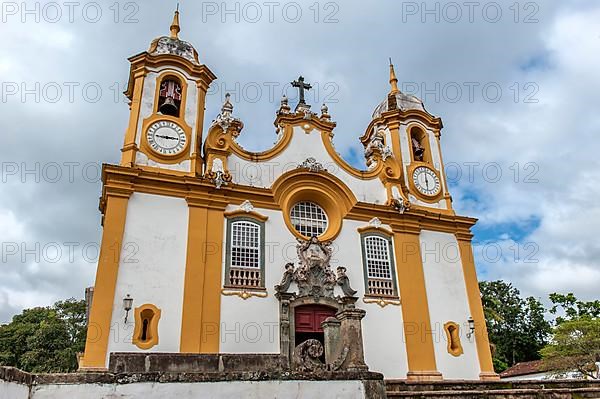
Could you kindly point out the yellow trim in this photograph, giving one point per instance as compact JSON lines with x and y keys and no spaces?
{"x":250,"y":214}
{"x":454,"y":345}
{"x":146,"y":148}
{"x":157,"y":156}
{"x":96,"y":345}
{"x":415,"y":309}
{"x":446,"y":190}
{"x":424,"y":133}
{"x":324,"y":189}
{"x":118,"y":179}
{"x":152,"y":328}
{"x":200,"y":326}
{"x":413,"y":188}
{"x":165,"y":75}
{"x":244,"y":293}
{"x":129,"y":147}
{"x":373,"y":229}
{"x":473,"y":294}
{"x":382,"y":302}
{"x":144,"y":61}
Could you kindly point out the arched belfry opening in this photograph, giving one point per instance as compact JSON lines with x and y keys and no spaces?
{"x":169,"y":97}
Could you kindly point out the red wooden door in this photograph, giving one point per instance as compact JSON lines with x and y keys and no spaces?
{"x":309,"y":318}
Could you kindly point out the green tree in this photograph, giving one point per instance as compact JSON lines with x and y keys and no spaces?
{"x":571,"y":308}
{"x":575,"y":345}
{"x":45,"y":339}
{"x":516,"y":326}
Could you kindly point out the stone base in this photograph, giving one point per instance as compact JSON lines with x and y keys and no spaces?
{"x":489,"y":376}
{"x":16,"y":384}
{"x":418,"y":376}
{"x":547,"y":389}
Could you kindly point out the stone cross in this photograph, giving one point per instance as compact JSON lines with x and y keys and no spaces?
{"x":301,"y":87}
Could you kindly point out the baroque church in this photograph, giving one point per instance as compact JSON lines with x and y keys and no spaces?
{"x":290,"y":253}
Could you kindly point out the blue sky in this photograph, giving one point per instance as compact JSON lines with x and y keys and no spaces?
{"x":518,"y":93}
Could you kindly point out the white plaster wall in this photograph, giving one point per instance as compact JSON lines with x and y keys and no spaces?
{"x":12,"y":390}
{"x":301,"y":147}
{"x":383,"y":331}
{"x":383,"y":334}
{"x":206,"y":390}
{"x":406,"y":148}
{"x":151,"y":269}
{"x":447,"y":300}
{"x":252,"y":325}
{"x":147,"y":109}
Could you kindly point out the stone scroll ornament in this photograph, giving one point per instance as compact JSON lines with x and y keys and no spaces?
{"x":314,"y":276}
{"x":307,"y":354}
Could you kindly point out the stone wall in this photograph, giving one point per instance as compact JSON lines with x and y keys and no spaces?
{"x":15,"y":384}
{"x":557,"y":389}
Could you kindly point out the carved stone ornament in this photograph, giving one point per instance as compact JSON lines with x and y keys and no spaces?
{"x":168,"y":45}
{"x":377,"y":147}
{"x":307,"y":354}
{"x":314,"y":276}
{"x":399,"y":203}
{"x":247,"y":206}
{"x":218,"y":176}
{"x":312,"y":165}
{"x":226,"y":120}
{"x":375,"y":222}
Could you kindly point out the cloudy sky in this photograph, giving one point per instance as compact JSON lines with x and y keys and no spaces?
{"x":516,"y":83}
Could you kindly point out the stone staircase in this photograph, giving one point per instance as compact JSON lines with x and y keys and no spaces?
{"x":557,"y":389}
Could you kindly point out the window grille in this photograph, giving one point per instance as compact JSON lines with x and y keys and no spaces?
{"x":378,"y":264}
{"x":309,"y":219}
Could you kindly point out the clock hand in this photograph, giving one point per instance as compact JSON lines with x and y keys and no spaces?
{"x":165,"y":137}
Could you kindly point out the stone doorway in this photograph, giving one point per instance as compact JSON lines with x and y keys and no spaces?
{"x":307,"y":323}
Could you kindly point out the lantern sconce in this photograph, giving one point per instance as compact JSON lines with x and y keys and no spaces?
{"x":127,"y":303}
{"x":471,"y":327}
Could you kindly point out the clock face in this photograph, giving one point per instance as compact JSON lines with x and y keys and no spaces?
{"x":166,"y":138}
{"x":426,"y":181}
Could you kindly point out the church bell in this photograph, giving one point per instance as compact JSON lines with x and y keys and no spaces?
{"x":169,"y":107}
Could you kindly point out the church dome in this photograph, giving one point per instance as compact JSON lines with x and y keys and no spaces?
{"x":396,"y":99}
{"x":173,"y":45}
{"x":403,"y":102}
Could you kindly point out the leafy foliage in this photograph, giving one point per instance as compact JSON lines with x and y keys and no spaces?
{"x":516,"y":326}
{"x":572,"y":308}
{"x":45,"y":340}
{"x":575,"y":346}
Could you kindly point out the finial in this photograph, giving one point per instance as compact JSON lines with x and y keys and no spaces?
{"x":227,"y":108}
{"x":175,"y":29}
{"x":393,"y":79}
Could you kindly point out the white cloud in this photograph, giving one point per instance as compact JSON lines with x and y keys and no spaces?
{"x":559,"y":134}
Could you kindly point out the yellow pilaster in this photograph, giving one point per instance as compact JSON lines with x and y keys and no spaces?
{"x":415,"y":310}
{"x":474,"y":297}
{"x":200,"y":326}
{"x":96,"y":345}
{"x":129,"y":147}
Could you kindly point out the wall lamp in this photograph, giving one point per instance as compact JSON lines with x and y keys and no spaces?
{"x":471,"y":327}
{"x":127,"y":303}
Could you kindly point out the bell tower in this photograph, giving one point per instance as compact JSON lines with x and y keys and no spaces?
{"x":402,"y":128}
{"x":167,"y":92}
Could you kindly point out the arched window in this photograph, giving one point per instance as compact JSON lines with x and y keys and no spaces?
{"x":169,"y":97}
{"x":419,"y":145}
{"x":379,"y":265}
{"x":309,"y":219}
{"x":245,"y":253}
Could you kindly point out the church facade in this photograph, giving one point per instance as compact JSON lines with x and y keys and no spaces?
{"x":209,"y":248}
